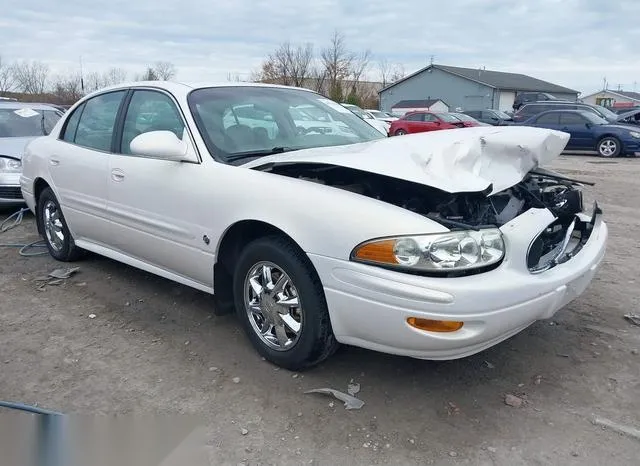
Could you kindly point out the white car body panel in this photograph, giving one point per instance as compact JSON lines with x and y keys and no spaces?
{"x":155,"y":214}
{"x":451,"y":160}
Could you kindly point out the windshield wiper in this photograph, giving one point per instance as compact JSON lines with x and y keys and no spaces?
{"x":259,"y":153}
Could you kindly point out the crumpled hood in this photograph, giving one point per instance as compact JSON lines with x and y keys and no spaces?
{"x":14,"y":147}
{"x":456,"y":160}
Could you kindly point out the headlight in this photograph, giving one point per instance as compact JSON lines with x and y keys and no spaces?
{"x":452,"y":251}
{"x":634,"y":134}
{"x":10,"y":165}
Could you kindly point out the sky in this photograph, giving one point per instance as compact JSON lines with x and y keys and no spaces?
{"x":574,"y":43}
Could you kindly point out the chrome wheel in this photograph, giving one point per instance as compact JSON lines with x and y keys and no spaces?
{"x":608,"y":147}
{"x":273,"y":306}
{"x":53,"y":227}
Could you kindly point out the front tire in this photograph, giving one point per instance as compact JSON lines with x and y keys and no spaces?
{"x":609,"y":147}
{"x":54,"y":228}
{"x":400,"y":132}
{"x":281,"y":304}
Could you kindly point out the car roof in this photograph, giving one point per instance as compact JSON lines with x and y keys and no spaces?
{"x":19,"y":105}
{"x":183,"y":88}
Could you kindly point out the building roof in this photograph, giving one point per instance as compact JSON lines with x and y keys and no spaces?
{"x":426,"y":103}
{"x":495,"y":79}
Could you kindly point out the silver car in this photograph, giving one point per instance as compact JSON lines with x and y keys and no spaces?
{"x":19,"y":124}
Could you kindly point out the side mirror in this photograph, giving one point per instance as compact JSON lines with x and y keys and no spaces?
{"x":160,"y":144}
{"x":588,"y":125}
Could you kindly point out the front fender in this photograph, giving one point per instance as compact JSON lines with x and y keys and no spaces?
{"x":322,"y":220}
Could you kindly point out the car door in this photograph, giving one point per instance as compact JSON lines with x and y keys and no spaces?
{"x":413,"y":122}
{"x":431,"y":122}
{"x":582,"y":137}
{"x":153,"y":203}
{"x":490,"y":118}
{"x":79,"y":166}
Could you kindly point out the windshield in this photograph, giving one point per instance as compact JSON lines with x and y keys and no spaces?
{"x":238,"y":122}
{"x":463,"y":117}
{"x":595,"y":119}
{"x":358,"y":111}
{"x":608,"y":114}
{"x":378,"y":114}
{"x":447,"y":117}
{"x":26,"y":122}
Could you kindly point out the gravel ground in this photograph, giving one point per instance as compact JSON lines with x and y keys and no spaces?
{"x":155,"y":347}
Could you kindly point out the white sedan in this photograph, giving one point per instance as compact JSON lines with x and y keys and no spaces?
{"x":435,"y":245}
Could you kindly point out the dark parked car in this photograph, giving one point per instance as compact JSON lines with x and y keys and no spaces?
{"x":491,"y":117}
{"x":535,"y":108}
{"x":420,"y":122}
{"x":590,"y":132}
{"x":526,"y":97}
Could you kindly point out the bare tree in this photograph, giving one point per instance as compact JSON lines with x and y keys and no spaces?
{"x":337,"y":61}
{"x":114,"y":76}
{"x":164,"y":70}
{"x":385,"y":71}
{"x":397,"y":74}
{"x":6,"y":77}
{"x":233,"y":77}
{"x":318,"y":79}
{"x":67,"y":89}
{"x":31,"y":77}
{"x":93,"y":81}
{"x":288,"y":65}
{"x":148,"y":75}
{"x":359,"y":65}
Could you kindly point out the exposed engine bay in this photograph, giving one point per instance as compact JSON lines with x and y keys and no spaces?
{"x":539,"y":189}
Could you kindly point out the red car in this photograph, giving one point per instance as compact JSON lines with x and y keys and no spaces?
{"x":419,"y":122}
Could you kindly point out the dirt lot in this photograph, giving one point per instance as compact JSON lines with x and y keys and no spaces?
{"x":155,"y":347}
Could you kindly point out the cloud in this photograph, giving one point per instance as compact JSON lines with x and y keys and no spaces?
{"x":575,"y":43}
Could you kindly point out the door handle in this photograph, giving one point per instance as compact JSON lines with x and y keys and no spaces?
{"x":54,"y":161}
{"x":117,"y":174}
{"x":565,"y":129}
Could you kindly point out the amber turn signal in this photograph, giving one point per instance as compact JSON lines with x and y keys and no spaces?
{"x":379,"y":251}
{"x":435,"y":325}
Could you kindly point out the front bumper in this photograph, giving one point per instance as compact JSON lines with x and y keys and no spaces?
{"x":369,"y":306}
{"x":10,"y":194}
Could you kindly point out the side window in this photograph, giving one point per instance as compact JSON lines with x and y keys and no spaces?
{"x":70,"y":129}
{"x":150,"y":111}
{"x":572,"y":119}
{"x":548,"y":119}
{"x":474,"y":114}
{"x":428,"y":117}
{"x":488,"y":115}
{"x":415,"y":117}
{"x":95,"y":129}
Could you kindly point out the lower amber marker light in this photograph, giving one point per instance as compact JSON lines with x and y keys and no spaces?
{"x":429,"y":325}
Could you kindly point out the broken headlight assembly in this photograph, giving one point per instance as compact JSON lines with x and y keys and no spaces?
{"x":8,"y":165}
{"x":454,"y":251}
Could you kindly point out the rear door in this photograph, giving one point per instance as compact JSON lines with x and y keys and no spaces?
{"x":79,"y":166}
{"x":153,"y":203}
{"x":582,"y":137}
{"x":414,"y":122}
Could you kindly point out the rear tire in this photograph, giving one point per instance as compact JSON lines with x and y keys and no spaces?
{"x":264,"y":304}
{"x":609,"y":147}
{"x":55,"y":230}
{"x":400,"y":132}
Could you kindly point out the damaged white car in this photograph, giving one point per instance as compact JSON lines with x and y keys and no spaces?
{"x":433,"y":246}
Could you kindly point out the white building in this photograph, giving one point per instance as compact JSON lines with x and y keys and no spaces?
{"x":615,"y":99}
{"x":432,"y":105}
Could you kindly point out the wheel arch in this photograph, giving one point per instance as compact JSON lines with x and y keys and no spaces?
{"x":610,"y":135}
{"x":229,"y":248}
{"x":39,"y":185}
